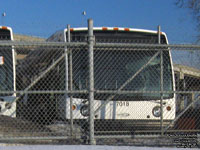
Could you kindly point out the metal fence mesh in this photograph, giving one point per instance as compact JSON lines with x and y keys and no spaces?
{"x":139,"y":89}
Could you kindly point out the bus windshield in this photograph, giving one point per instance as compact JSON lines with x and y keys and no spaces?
{"x":113,"y":68}
{"x":5,"y":35}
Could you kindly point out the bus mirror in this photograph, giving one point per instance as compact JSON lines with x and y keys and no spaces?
{"x":1,"y":60}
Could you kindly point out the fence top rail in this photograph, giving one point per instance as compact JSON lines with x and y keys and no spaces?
{"x":102,"y":45}
{"x":30,"y":43}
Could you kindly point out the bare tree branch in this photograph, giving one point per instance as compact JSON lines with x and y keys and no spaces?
{"x":194,"y":7}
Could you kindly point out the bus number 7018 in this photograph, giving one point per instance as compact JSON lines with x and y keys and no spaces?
{"x":123,"y":103}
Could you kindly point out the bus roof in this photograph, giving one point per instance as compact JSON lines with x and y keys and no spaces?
{"x":121,"y":29}
{"x":115,"y":29}
{"x":6,"y":28}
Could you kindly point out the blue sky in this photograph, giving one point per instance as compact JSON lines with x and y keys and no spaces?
{"x":44,"y":17}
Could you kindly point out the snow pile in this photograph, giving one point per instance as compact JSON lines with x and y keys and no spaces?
{"x":83,"y":147}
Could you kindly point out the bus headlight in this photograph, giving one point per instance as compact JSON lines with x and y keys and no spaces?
{"x":85,"y":110}
{"x":156,"y":111}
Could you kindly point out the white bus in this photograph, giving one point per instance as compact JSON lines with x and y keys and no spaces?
{"x":7,"y":74}
{"x":112,"y":68}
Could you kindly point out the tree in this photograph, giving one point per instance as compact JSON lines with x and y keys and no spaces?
{"x":194,"y":7}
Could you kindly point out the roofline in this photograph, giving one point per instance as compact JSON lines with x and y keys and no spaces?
{"x":112,"y":28}
{"x":118,"y":29}
{"x":8,"y":28}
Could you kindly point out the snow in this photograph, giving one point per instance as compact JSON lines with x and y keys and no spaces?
{"x":82,"y":147}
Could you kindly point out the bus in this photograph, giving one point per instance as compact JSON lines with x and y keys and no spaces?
{"x":112,"y":68}
{"x":7,"y":74}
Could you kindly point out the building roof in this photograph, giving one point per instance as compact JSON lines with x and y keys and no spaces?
{"x":20,"y":37}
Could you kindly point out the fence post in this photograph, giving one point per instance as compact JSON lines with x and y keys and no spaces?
{"x":161,"y":81}
{"x":66,"y":73}
{"x":71,"y":80}
{"x":91,"y":81}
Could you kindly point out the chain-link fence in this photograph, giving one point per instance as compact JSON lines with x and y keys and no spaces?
{"x":94,"y":88}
